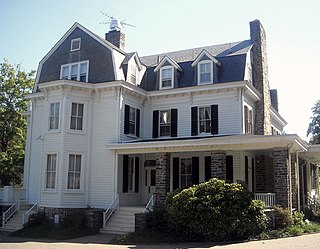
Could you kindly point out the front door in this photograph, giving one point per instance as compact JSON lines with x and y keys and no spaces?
{"x":150,"y":183}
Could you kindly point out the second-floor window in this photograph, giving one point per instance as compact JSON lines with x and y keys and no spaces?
{"x":76,"y":122}
{"x":54,"y":116}
{"x":205,"y":119}
{"x":165,"y":123}
{"x":131,"y":121}
{"x":51,"y":171}
{"x":75,"y":71}
{"x":205,"y":74}
{"x":248,"y":120}
{"x":166,"y":77}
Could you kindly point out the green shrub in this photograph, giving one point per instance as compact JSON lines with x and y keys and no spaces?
{"x":37,"y":219}
{"x":283,"y":217}
{"x":216,"y":211}
{"x":297,"y":218}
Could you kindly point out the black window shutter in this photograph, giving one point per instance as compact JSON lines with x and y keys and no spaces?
{"x":175,"y":178}
{"x":155,"y":124}
{"x":246,"y":168}
{"x":207,"y":168}
{"x":194,"y":121}
{"x":174,"y":122}
{"x":125,"y":174}
{"x":229,"y":168}
{"x":252,"y":174}
{"x":214,"y":119}
{"x":195,"y":170}
{"x":126,"y":119}
{"x":136,"y":175}
{"x":138,"y":123}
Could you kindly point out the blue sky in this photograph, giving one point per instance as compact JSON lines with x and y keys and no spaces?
{"x":29,"y":29}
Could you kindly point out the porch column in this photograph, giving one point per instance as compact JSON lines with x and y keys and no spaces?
{"x":295,"y":181}
{"x":162,"y":178}
{"x":218,"y":164}
{"x":282,"y":177}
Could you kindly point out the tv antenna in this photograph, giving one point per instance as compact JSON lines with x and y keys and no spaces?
{"x":115,"y":24}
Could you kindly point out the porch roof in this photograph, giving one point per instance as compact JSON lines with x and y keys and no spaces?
{"x":230,"y":142}
{"x":313,"y":153}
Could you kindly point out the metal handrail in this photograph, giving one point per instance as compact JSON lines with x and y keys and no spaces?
{"x":10,"y":212}
{"x":150,"y":204}
{"x":110,"y":210}
{"x":28,"y":213}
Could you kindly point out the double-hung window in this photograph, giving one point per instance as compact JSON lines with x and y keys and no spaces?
{"x":166,"y":77}
{"x":75,"y":71}
{"x":247,"y":120}
{"x":54,"y":116}
{"x":205,"y":74}
{"x":165,"y":123}
{"x":205,"y":119}
{"x":51,"y":171}
{"x":133,"y":75}
{"x":186,"y":172}
{"x":131,"y":121}
{"x":74,"y":172}
{"x":76,"y":122}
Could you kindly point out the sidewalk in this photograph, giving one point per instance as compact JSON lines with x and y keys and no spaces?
{"x":310,"y":241}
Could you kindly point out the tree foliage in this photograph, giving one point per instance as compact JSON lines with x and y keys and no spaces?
{"x":14,"y":84}
{"x":314,"y":126}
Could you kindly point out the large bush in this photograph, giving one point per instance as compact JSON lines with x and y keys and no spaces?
{"x":215,"y":211}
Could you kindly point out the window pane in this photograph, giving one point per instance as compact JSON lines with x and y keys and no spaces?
{"x":71,"y":162}
{"x":74,"y":109}
{"x":207,"y":113}
{"x":70,"y":180}
{"x":57,"y":107}
{"x":73,"y":123}
{"x":79,"y":124}
{"x":74,"y":72}
{"x":78,"y":163}
{"x":153,"y":177}
{"x":83,"y":68}
{"x":56,"y":122}
{"x":166,"y":75}
{"x":65,"y":72}
{"x":51,"y":109}
{"x":80,"y":110}
{"x":132,"y":114}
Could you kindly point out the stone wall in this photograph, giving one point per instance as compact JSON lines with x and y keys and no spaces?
{"x":141,"y":221}
{"x":218,"y":164}
{"x":162,"y":178}
{"x":260,"y":78}
{"x":281,"y":177}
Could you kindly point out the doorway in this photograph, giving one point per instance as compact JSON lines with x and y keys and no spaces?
{"x":150,"y":182}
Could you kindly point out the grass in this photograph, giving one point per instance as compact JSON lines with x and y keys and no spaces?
{"x":51,"y":232}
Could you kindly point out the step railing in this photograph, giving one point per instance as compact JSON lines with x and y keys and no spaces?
{"x":110,"y":210}
{"x":31,"y":211}
{"x":10,"y":212}
{"x":268,"y":198}
{"x":150,"y":204}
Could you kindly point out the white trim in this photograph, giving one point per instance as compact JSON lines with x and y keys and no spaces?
{"x":205,"y":52}
{"x":199,"y":73}
{"x":171,"y":61}
{"x":172,"y":77}
{"x":72,"y":43}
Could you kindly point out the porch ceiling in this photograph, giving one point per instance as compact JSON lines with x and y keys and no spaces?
{"x":232,"y":142}
{"x":313,"y":153}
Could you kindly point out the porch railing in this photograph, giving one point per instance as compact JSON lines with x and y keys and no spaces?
{"x":150,"y":204}
{"x":10,"y":212}
{"x":31,"y":211}
{"x":268,"y":198}
{"x":110,"y":210}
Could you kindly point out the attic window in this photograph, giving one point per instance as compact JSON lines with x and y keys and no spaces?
{"x":166,"y":77}
{"x":75,"y":44}
{"x":205,"y":74}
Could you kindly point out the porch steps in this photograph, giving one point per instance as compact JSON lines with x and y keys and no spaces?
{"x":122,"y":221}
{"x":15,"y":223}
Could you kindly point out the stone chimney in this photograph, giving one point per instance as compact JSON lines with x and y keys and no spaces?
{"x":117,"y":38}
{"x":260,"y":78}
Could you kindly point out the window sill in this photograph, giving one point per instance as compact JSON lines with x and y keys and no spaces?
{"x":77,"y":132}
{"x":132,"y":136}
{"x":50,"y":191}
{"x":53,"y":131}
{"x":73,"y":191}
{"x":166,"y":88}
{"x":205,"y":83}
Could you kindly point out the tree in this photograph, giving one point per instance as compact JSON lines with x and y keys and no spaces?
{"x":14,"y":84}
{"x":314,"y":126}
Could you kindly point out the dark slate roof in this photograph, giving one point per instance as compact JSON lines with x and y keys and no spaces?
{"x":231,"y":55}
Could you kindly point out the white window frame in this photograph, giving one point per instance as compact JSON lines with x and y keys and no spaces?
{"x":51,"y":172}
{"x":77,"y":117}
{"x":161,"y":77}
{"x":133,"y":122}
{"x":186,"y":174}
{"x":204,"y":120}
{"x":211,"y":72}
{"x":250,"y":118}
{"x":72,"y":44}
{"x":166,"y":123}
{"x":78,"y":65}
{"x":74,"y":171}
{"x":54,"y":116}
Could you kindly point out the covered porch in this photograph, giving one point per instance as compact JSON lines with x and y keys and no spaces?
{"x":269,"y":165}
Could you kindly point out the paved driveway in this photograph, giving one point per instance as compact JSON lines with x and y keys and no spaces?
{"x":311,"y":241}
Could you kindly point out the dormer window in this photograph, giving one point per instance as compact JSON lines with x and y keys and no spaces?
{"x":75,"y":71}
{"x":133,"y":76}
{"x":205,"y":74}
{"x":166,"y":77}
{"x":75,"y":44}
